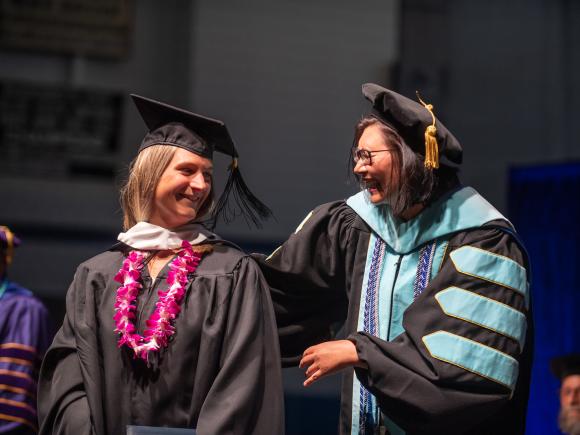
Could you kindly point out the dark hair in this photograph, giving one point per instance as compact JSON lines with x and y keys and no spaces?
{"x":416,"y":184}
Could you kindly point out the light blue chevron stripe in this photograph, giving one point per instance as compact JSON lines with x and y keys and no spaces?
{"x":474,"y":357}
{"x":491,"y":267}
{"x":483,"y":311}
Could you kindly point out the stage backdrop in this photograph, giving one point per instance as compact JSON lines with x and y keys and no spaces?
{"x":544,"y":204}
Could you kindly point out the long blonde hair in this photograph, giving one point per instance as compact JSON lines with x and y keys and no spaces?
{"x":144,"y":174}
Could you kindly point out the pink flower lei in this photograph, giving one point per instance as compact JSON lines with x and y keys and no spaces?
{"x":160,"y":324}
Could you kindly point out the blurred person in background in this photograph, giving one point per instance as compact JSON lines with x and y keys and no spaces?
{"x":25,"y":334}
{"x":567,"y":370}
{"x":172,"y":327}
{"x":431,"y":279}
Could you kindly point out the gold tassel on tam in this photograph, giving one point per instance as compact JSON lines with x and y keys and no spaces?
{"x":431,"y":145}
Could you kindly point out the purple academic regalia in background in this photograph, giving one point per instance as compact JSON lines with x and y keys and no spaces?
{"x":25,"y":334}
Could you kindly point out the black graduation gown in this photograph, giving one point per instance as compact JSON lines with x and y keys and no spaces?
{"x":220,"y":373}
{"x":316,"y":278}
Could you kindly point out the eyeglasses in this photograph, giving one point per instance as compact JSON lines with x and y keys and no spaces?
{"x":366,"y":156}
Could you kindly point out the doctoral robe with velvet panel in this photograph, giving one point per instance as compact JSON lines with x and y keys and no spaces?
{"x":25,"y":334}
{"x":437,"y":365}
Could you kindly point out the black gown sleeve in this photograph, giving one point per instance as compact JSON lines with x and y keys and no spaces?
{"x":421,"y":390}
{"x":307,"y":277}
{"x":62,"y":400}
{"x":246,"y":396}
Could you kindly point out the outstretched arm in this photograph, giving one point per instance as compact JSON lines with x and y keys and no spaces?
{"x":308,"y":277}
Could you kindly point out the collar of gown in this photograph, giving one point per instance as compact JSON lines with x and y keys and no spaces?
{"x":460,"y":210}
{"x":145,"y":236}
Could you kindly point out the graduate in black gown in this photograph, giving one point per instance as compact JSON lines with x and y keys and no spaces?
{"x":172,"y":327}
{"x":429,"y":278}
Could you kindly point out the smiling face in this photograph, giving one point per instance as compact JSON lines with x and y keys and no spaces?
{"x":182,"y":190}
{"x":378,"y":175}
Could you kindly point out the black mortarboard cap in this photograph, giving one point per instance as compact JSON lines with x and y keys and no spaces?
{"x":169,"y":125}
{"x":566,"y":365}
{"x":8,"y":241}
{"x":416,"y":124}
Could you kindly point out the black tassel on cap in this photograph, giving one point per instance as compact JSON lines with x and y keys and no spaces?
{"x":237,"y":199}
{"x":201,"y":135}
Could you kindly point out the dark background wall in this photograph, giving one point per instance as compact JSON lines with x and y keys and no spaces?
{"x":503,"y":76}
{"x":286,"y":78}
{"x":65,"y":219}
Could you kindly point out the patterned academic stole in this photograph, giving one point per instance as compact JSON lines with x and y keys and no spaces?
{"x":368,"y":406}
{"x":424,"y":269}
{"x":369,"y":413}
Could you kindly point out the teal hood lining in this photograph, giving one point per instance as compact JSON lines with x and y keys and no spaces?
{"x":460,"y":210}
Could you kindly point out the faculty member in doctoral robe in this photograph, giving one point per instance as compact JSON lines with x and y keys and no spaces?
{"x":429,"y":278}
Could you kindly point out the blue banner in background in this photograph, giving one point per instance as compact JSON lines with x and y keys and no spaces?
{"x":544,"y":206}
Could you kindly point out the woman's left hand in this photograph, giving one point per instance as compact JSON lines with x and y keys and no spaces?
{"x":327,"y":358}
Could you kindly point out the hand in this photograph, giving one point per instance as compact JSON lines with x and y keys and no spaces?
{"x":327,"y":358}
